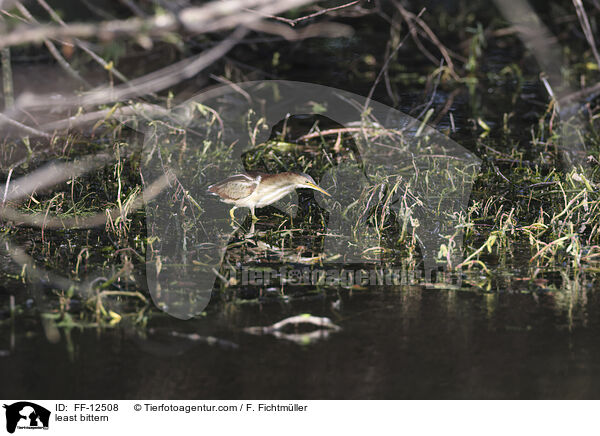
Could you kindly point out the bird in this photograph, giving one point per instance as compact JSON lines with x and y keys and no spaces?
{"x":256,"y":189}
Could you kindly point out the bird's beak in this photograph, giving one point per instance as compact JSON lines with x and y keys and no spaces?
{"x":318,"y":188}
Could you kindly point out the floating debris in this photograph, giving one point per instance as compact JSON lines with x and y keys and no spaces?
{"x":324,"y":327}
{"x":210,"y":340}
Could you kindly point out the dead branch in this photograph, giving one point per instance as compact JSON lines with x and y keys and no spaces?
{"x":121,"y":113}
{"x":52,"y":174}
{"x":587,"y":29}
{"x":384,"y":68}
{"x":588,"y":92}
{"x":153,"y":82}
{"x":7,"y":79}
{"x":317,"y":321}
{"x":22,"y":127}
{"x":323,"y":328}
{"x":293,"y":22}
{"x":212,"y":17}
{"x":53,"y":50}
{"x":82,"y":45}
{"x":133,"y":8}
{"x":330,"y":30}
{"x":411,"y":19}
{"x":42,"y":221}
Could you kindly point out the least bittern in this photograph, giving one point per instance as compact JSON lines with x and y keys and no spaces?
{"x":254,"y":190}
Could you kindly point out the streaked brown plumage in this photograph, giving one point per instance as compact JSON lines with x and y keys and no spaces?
{"x":254,"y":190}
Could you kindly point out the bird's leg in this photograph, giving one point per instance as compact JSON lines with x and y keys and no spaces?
{"x":254,"y":218}
{"x":231,"y":214}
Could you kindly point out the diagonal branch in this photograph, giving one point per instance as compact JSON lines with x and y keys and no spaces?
{"x":53,"y":50}
{"x":82,"y":45}
{"x":153,"y":82}
{"x":211,"y":17}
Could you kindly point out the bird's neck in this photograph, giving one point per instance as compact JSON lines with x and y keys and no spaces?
{"x":278,"y":192}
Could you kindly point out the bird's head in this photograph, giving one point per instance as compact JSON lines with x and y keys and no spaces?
{"x":305,"y":181}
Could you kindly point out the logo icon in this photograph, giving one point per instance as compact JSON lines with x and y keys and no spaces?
{"x":26,"y":415}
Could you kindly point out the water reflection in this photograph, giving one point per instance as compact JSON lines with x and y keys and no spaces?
{"x":393,"y":343}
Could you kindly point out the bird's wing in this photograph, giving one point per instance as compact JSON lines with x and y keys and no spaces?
{"x":235,"y":187}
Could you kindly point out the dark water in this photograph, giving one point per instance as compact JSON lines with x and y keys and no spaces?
{"x":409,"y":343}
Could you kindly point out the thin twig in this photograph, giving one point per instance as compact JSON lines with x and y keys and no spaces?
{"x":82,"y":45}
{"x":53,"y":174}
{"x":433,"y":94}
{"x":446,"y":108}
{"x":153,"y":82}
{"x":384,"y":68}
{"x":335,"y":132}
{"x":120,"y":114}
{"x":23,"y":127}
{"x":38,"y":220}
{"x":53,"y":50}
{"x":587,"y":29}
{"x":590,"y":91}
{"x":6,"y":185}
{"x":329,"y":30}
{"x":7,"y":79}
{"x":317,"y":321}
{"x":211,"y":17}
{"x":411,"y":19}
{"x":293,"y":22}
{"x":134,"y":8}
